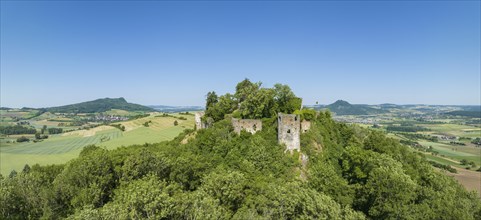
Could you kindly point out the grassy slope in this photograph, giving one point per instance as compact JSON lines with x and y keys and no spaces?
{"x":61,"y":148}
{"x":161,"y":129}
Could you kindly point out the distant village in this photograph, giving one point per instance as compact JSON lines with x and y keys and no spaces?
{"x":109,"y":118}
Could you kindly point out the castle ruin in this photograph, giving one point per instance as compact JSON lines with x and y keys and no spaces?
{"x":305,"y":126}
{"x":198,"y":120}
{"x":250,"y":125}
{"x":288,"y":131}
{"x":289,"y":128}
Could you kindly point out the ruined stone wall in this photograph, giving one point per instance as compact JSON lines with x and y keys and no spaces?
{"x":198,"y":120}
{"x":305,"y":126}
{"x":288,"y":131}
{"x":250,"y":125}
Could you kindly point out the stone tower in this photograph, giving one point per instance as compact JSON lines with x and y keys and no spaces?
{"x":198,"y":120}
{"x":288,"y":131}
{"x":250,"y":125}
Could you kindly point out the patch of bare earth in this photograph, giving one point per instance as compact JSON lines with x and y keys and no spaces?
{"x":471,"y":180}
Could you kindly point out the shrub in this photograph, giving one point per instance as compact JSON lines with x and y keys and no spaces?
{"x":22,"y":139}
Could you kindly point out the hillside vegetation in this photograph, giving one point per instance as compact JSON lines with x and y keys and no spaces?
{"x":215,"y":173}
{"x":99,"y":105}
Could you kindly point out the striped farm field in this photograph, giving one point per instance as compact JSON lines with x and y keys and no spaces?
{"x":59,"y":149}
{"x":159,"y":129}
{"x":456,"y":153}
{"x":454,"y":129}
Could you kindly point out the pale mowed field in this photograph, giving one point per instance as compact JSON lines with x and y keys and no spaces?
{"x":471,"y":180}
{"x":62,"y":148}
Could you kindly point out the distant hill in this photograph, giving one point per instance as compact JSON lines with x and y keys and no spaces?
{"x":165,"y":108}
{"x":471,"y":114}
{"x":99,"y":105}
{"x":471,"y":108}
{"x":388,"y":106}
{"x":341,"y":107}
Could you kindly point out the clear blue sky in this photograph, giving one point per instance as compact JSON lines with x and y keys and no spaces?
{"x":173,"y":53}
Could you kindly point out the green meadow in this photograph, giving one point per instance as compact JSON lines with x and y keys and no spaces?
{"x":441,"y":160}
{"x":454,"y":129}
{"x":456,"y":153}
{"x":60,"y":148}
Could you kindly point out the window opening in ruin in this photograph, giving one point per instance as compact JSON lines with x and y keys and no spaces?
{"x":254,"y":127}
{"x":288,"y":131}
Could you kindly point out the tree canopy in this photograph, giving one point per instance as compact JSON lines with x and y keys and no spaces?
{"x":252,"y":101}
{"x":215,"y":173}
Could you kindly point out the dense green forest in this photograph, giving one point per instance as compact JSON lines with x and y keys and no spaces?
{"x":99,"y":105}
{"x":473,"y":114}
{"x":215,"y":173}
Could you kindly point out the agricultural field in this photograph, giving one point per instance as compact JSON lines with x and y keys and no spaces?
{"x":457,"y":130}
{"x":445,"y":139}
{"x":60,"y":148}
{"x":54,"y":150}
{"x":122,"y":112}
{"x":159,"y":129}
{"x":15,"y":114}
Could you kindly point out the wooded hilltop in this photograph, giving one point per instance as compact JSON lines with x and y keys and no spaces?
{"x":215,"y":173}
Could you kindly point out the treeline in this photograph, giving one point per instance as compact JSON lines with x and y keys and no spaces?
{"x":444,"y":167}
{"x":16,"y":129}
{"x":406,"y":128}
{"x":415,"y":136}
{"x":138,"y":116}
{"x":471,"y":114}
{"x":457,"y":143}
{"x":55,"y":130}
{"x":352,"y":173}
{"x":173,"y":116}
{"x":476,"y":141}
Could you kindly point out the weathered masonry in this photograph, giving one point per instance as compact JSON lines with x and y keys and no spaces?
{"x":288,"y":131}
{"x":250,"y":125}
{"x":198,"y":120}
{"x":305,"y":126}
